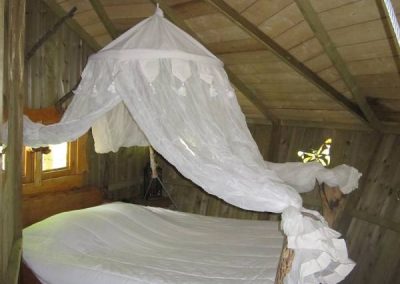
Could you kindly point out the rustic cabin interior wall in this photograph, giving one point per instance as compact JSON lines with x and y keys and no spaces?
{"x":374,"y":233}
{"x":52,"y":71}
{"x":371,"y":218}
{"x":11,"y":87}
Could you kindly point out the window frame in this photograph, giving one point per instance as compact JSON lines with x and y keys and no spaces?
{"x":34,"y":179}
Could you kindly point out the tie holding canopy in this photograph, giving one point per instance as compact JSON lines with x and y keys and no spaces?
{"x":157,"y":85}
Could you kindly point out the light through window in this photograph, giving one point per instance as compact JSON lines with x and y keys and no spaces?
{"x":3,"y":157}
{"x":57,"y":158}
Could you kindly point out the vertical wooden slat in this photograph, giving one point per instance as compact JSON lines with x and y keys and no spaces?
{"x":4,"y":253}
{"x":10,"y":195}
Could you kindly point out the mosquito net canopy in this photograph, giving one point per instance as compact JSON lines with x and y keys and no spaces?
{"x":157,"y":85}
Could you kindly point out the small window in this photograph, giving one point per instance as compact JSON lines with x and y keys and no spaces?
{"x":57,"y":158}
{"x":56,"y":167}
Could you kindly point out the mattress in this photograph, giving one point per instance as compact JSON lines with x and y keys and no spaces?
{"x":125,"y":243}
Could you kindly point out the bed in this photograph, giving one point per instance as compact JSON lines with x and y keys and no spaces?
{"x":127,"y":243}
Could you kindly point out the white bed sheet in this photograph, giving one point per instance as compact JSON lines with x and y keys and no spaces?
{"x":124,"y":243}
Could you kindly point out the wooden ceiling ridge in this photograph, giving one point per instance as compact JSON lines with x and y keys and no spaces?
{"x":324,"y":39}
{"x":286,"y":57}
{"x":249,"y":94}
{"x":73,"y":25}
{"x":104,"y":18}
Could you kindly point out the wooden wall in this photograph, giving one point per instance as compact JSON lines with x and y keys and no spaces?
{"x":374,"y":233}
{"x":371,"y":221}
{"x":50,"y":73}
{"x":11,"y":86}
{"x":348,"y":147}
{"x":56,"y":66}
{"x":120,"y":174}
{"x":191,"y":198}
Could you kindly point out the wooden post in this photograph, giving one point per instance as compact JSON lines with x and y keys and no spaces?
{"x":285,"y":263}
{"x":332,"y":200}
{"x":10,"y":193}
{"x":153,"y":164}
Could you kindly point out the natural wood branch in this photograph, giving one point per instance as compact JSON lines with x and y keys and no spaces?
{"x":286,"y":57}
{"x":285,"y":263}
{"x":66,"y":97}
{"x":73,"y":24}
{"x":101,"y":13}
{"x":323,"y":37}
{"x":153,"y":164}
{"x":249,"y":94}
{"x":49,"y":33}
{"x":333,"y":202}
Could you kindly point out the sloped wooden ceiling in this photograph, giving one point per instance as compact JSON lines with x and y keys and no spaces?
{"x":345,"y":44}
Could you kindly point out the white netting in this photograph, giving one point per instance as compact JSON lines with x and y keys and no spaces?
{"x":157,"y":84}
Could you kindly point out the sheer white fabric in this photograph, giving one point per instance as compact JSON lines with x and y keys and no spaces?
{"x":181,"y":101}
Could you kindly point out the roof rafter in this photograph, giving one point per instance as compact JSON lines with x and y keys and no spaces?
{"x":251,"y":96}
{"x":248,"y":93}
{"x":285,"y":56}
{"x":324,"y":39}
{"x":56,"y":8}
{"x":104,"y":18}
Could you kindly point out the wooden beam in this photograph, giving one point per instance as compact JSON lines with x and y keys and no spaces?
{"x":249,"y":94}
{"x":376,"y":220}
{"x":49,"y":33}
{"x":274,"y":142}
{"x":325,"y":40}
{"x":390,"y":14}
{"x":14,"y":264}
{"x":393,"y":128}
{"x":258,"y":121}
{"x":4,"y":248}
{"x":13,"y":20}
{"x":101,"y":13}
{"x":73,"y":25}
{"x":285,"y":56}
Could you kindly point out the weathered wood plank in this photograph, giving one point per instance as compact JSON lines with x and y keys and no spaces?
{"x":316,"y":25}
{"x":13,"y":88}
{"x":286,"y":56}
{"x":232,"y":77}
{"x":98,"y":7}
{"x":73,"y":24}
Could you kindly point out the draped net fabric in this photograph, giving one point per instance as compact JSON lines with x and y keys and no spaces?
{"x":157,"y":85}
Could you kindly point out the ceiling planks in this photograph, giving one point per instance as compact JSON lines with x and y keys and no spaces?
{"x":356,"y":27}
{"x":101,"y":13}
{"x":316,"y":25}
{"x":250,"y":95}
{"x":73,"y":24}
{"x":285,"y":56}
